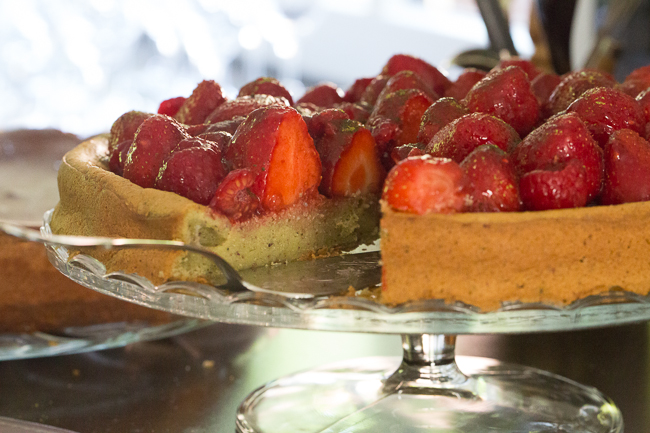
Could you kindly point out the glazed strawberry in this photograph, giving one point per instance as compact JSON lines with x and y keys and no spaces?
{"x":404,"y":151}
{"x":438,"y":115}
{"x":192,"y":172}
{"x":492,"y":182}
{"x":204,"y":99}
{"x":429,"y":73}
{"x":265,"y":86}
{"x":273,"y":142}
{"x":354,"y":92}
{"x":219,"y":140}
{"x":643,"y":99}
{"x":422,"y":185}
{"x":154,"y":141}
{"x":354,"y":111}
{"x":242,"y":106}
{"x":460,"y":137}
{"x":371,"y":93}
{"x":218,"y":144}
{"x":507,"y":95}
{"x":558,"y":186}
{"x":543,"y":86}
{"x":636,"y":82}
{"x":575,"y":84}
{"x":234,"y":196}
{"x":349,"y":159}
{"x":627,"y":168}
{"x":117,"y":156}
{"x":125,"y":127}
{"x":528,"y":67}
{"x":322,"y":95}
{"x":404,"y":80}
{"x":465,"y":81}
{"x":229,"y":126}
{"x":171,"y":106}
{"x":325,"y":122}
{"x":605,"y":110}
{"x":560,"y":139}
{"x":395,"y":120}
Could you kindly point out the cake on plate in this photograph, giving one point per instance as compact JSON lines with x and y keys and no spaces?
{"x":34,"y":296}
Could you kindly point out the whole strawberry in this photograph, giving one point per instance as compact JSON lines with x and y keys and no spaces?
{"x":627,"y":168}
{"x":193,"y":172}
{"x":153,"y":143}
{"x":465,"y":81}
{"x":460,"y":137}
{"x":204,"y":99}
{"x":265,"y":86}
{"x":429,"y":73}
{"x":442,"y":112}
{"x":558,"y":186}
{"x":506,"y":94}
{"x":558,"y":140}
{"x":575,"y":84}
{"x":605,"y":110}
{"x":493,"y":184}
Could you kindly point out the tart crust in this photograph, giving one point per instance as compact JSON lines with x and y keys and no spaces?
{"x":485,"y":259}
{"x":97,"y":202}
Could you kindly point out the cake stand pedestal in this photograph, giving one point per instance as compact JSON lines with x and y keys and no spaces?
{"x":428,"y":391}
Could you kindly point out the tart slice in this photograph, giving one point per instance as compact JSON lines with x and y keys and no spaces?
{"x":97,"y":202}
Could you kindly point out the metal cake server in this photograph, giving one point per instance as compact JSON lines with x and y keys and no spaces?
{"x":301,"y":279}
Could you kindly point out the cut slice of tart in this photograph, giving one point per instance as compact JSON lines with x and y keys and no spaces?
{"x":97,"y":202}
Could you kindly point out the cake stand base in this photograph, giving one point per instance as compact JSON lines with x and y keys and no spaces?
{"x":391,"y":395}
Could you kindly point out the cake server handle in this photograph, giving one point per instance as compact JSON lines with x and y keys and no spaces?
{"x":234,"y":282}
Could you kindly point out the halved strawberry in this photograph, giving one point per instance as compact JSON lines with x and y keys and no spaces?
{"x":234,"y":197}
{"x":350,"y":161}
{"x":273,"y":142}
{"x":424,"y":184}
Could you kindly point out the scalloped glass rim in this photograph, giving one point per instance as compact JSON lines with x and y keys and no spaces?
{"x":349,"y":314}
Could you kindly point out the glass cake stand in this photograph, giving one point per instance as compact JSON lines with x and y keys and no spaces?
{"x":429,"y":389}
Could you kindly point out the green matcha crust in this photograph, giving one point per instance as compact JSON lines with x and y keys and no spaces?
{"x":96,"y":202}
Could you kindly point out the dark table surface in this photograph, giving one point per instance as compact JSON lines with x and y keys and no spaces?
{"x":195,"y":382}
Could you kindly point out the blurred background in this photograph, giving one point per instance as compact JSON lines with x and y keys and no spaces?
{"x":77,"y":65}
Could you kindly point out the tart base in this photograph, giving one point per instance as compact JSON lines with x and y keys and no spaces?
{"x":485,"y":260}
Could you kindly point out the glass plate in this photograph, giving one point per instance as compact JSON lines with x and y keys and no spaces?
{"x":348,"y":313}
{"x":88,"y":338}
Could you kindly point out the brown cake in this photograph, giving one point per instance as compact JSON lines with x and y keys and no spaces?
{"x":97,"y":202}
{"x":34,"y":296}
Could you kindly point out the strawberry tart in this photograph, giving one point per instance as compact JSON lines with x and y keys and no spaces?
{"x":512,"y":185}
